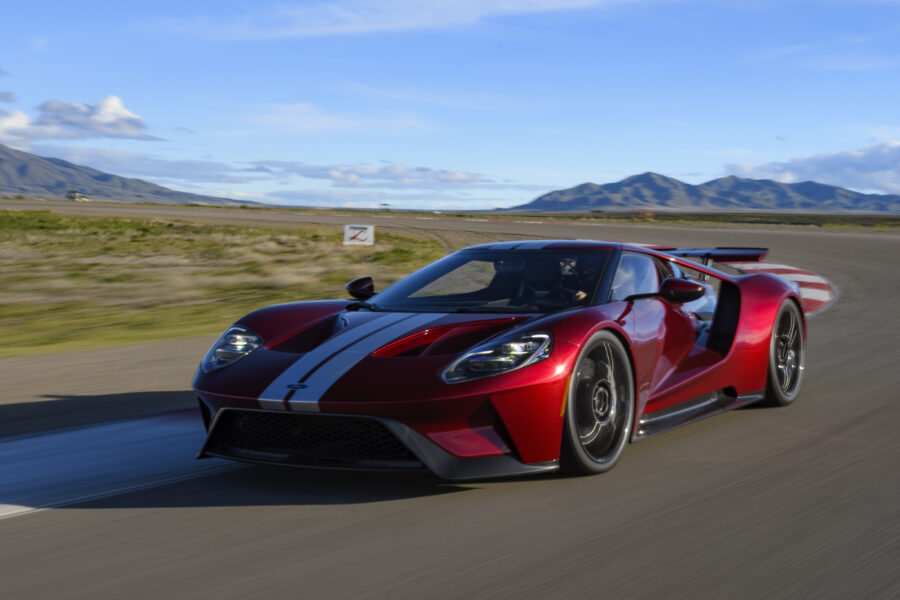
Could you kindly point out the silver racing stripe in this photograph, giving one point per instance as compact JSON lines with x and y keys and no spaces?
{"x":273,"y":396}
{"x":307,"y":398}
{"x":318,"y":370}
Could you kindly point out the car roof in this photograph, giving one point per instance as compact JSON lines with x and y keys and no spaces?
{"x":653,"y":250}
{"x":549,"y":245}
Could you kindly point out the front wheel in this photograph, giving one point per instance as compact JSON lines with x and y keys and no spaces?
{"x":600,"y":407}
{"x":787,"y":356}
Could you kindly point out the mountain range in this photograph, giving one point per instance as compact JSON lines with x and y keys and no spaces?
{"x":652,"y":191}
{"x":24,"y":174}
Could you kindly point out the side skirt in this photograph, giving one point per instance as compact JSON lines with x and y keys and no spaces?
{"x":690,"y":411}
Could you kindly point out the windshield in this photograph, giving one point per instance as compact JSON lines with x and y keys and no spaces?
{"x":499,"y":281}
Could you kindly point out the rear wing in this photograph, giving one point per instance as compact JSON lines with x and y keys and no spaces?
{"x":721,"y":255}
{"x":816,"y":293}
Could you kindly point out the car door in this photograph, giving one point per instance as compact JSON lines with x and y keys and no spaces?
{"x":663,"y":333}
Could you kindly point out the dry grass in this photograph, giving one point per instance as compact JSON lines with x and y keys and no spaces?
{"x":76,"y":282}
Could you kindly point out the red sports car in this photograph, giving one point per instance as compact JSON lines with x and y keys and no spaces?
{"x":504,"y":359}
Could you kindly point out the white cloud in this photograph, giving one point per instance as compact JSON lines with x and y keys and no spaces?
{"x":451,"y":100}
{"x":309,"y":118}
{"x":305,"y":118}
{"x":12,"y":122}
{"x":350,"y":17}
{"x":871,"y":169}
{"x":59,"y":120}
{"x":786,"y":51}
{"x":39,"y":42}
{"x":358,"y":183}
{"x":130,"y":164}
{"x":377,"y":199}
{"x":845,"y":62}
{"x":386,"y":176}
{"x":844,"y":53}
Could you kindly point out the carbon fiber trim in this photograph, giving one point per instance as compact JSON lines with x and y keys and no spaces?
{"x":403,"y":449}
{"x":690,"y":411}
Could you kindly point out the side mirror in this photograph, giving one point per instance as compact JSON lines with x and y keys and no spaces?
{"x":679,"y":291}
{"x":362,"y":288}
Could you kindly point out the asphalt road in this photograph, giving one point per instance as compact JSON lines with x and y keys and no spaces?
{"x":797,"y":502}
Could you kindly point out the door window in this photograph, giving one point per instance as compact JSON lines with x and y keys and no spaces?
{"x":636,"y":274}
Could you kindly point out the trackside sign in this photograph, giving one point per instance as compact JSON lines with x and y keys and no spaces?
{"x":359,"y":235}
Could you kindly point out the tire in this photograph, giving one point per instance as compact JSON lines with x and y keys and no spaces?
{"x":787,"y":356}
{"x":600,"y":407}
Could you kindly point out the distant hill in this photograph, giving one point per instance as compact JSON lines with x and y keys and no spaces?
{"x":24,"y":174}
{"x":652,"y":191}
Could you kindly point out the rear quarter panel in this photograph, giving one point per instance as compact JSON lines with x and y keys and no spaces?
{"x":746,"y":366}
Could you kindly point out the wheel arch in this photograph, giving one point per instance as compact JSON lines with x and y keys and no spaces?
{"x":619,"y":333}
{"x":745,"y":366}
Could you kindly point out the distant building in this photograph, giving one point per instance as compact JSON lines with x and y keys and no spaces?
{"x":76,"y":196}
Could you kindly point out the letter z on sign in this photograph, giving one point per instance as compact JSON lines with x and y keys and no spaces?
{"x":359,"y":235}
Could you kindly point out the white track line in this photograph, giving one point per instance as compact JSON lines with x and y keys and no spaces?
{"x":76,"y":465}
{"x":760,"y":266}
{"x":816,"y":300}
{"x":814,"y":294}
{"x":803,"y":278}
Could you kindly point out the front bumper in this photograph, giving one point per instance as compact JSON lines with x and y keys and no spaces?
{"x":340,"y":441}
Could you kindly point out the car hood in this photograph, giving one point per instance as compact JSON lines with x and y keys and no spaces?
{"x":304,"y":363}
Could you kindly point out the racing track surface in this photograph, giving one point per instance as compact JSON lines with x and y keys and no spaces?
{"x":800,"y":502}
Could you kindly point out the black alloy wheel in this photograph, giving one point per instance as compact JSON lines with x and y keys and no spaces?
{"x":787,"y":356}
{"x":600,"y":406}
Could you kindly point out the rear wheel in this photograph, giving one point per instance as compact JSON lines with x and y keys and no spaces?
{"x":787,"y":356}
{"x":600,"y":407}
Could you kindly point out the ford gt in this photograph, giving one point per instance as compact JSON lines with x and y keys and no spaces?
{"x":504,"y":359}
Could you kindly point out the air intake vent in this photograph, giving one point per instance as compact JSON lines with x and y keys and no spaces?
{"x":308,"y":439}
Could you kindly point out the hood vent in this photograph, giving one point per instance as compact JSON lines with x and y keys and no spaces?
{"x":310,"y":336}
{"x":446,"y":339}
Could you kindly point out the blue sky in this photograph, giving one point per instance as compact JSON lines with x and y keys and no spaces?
{"x":459,"y":104}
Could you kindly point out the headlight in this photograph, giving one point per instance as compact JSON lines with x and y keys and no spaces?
{"x":236,"y":342}
{"x":500,"y":356}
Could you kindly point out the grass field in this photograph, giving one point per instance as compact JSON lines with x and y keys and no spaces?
{"x":72,"y":282}
{"x":80,"y":282}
